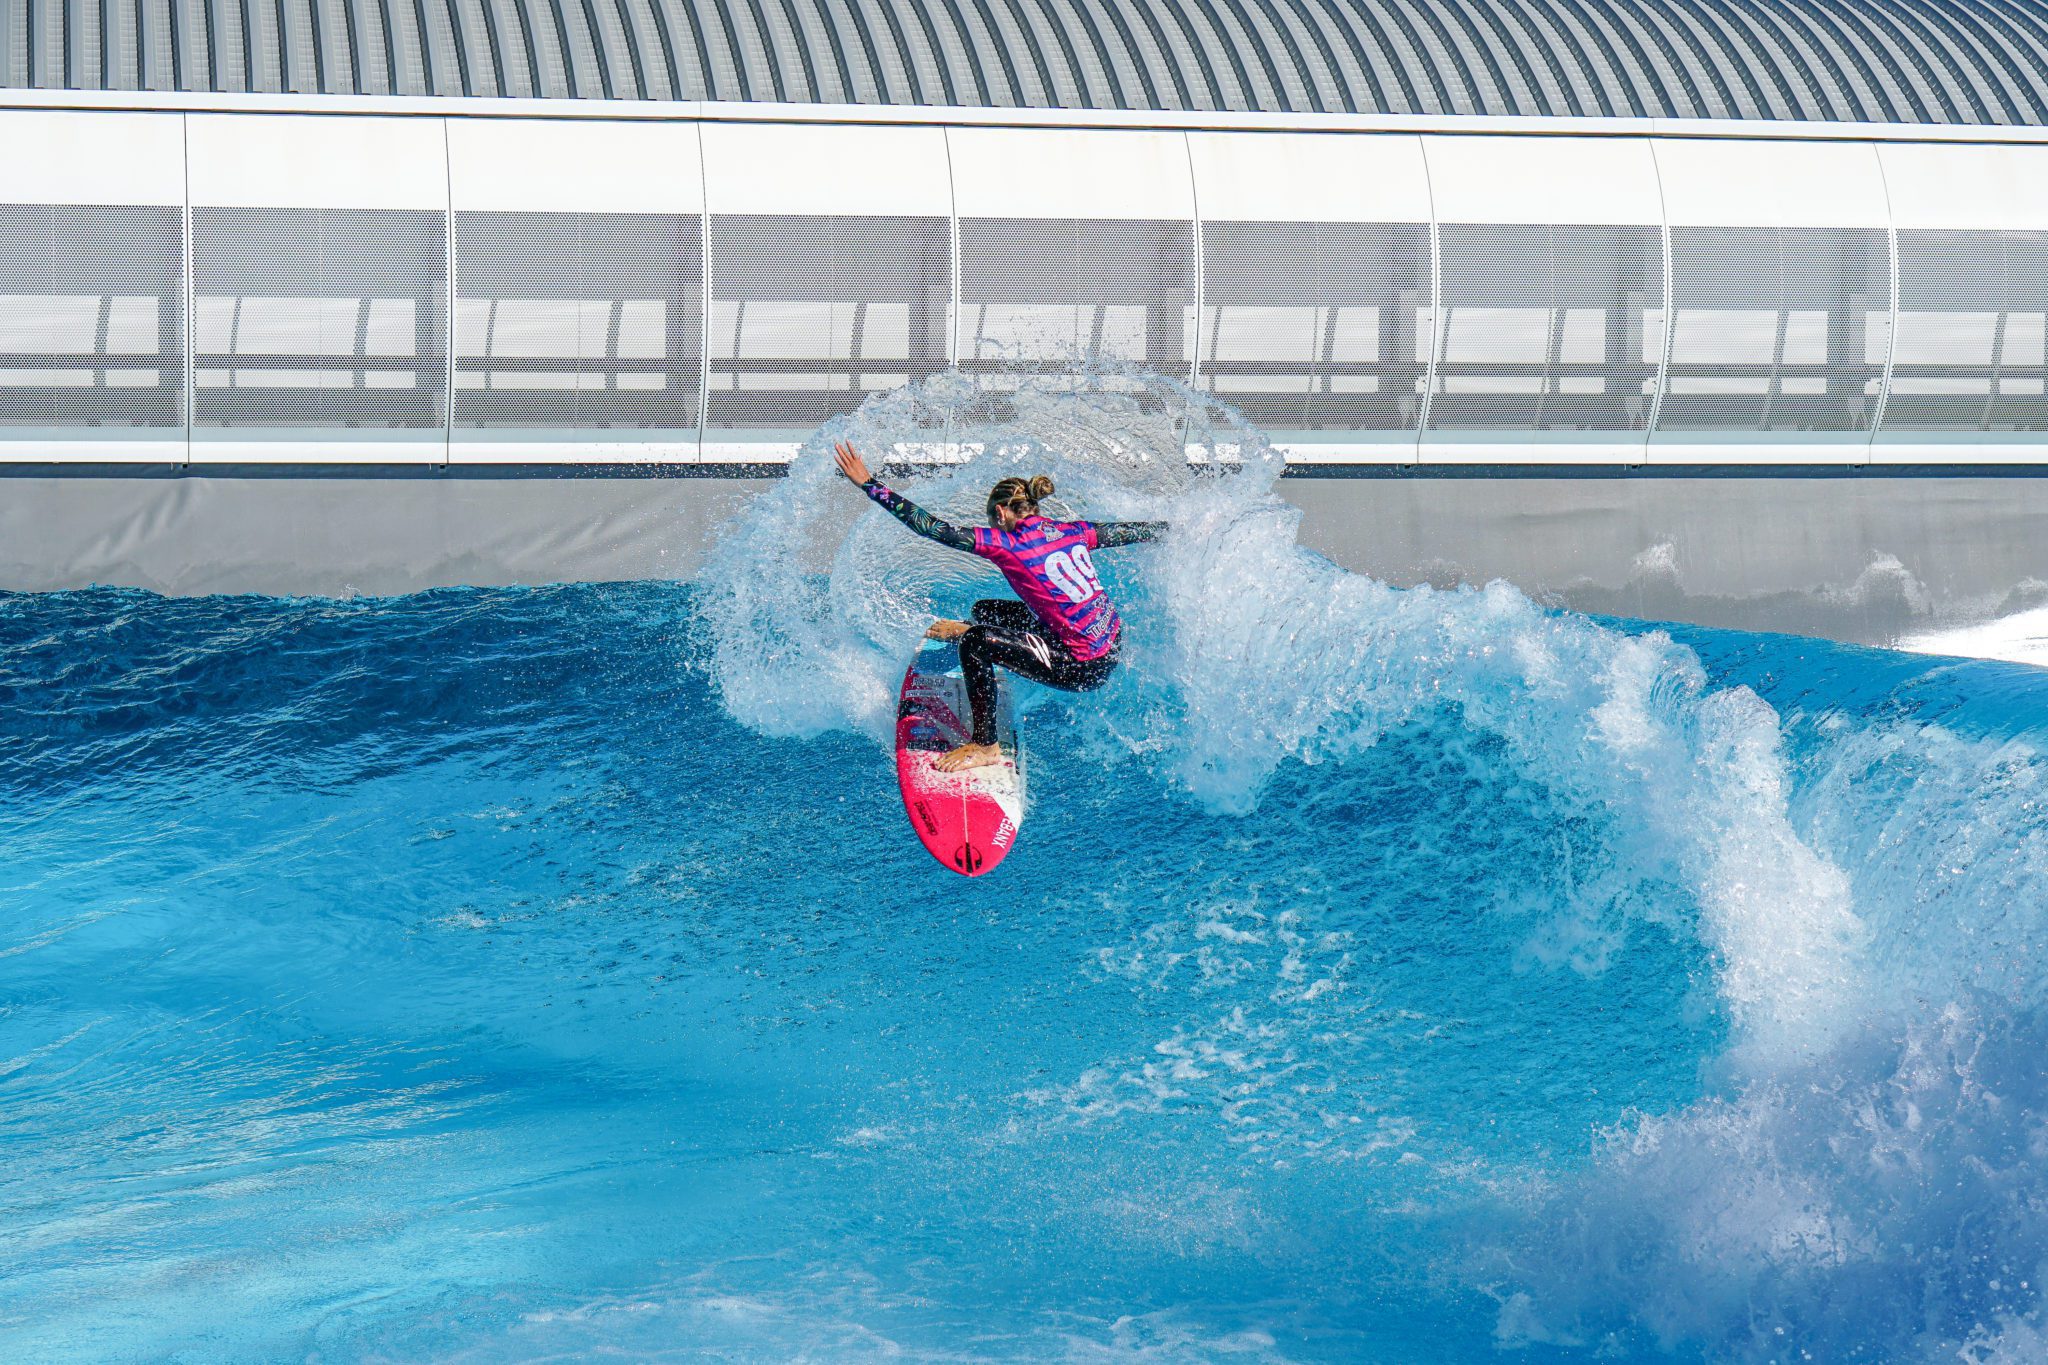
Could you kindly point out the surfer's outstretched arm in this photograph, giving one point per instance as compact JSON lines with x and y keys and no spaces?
{"x":917,"y":519}
{"x":902,"y":508}
{"x":1110,"y":534}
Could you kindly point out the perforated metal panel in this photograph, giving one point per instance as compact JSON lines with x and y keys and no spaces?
{"x":811,"y":314}
{"x":1548,"y":328}
{"x":1317,"y":326}
{"x":1777,"y":329}
{"x":92,"y":303}
{"x":319,"y":320}
{"x":577,"y":320}
{"x":1054,"y":288}
{"x":1970,"y":353}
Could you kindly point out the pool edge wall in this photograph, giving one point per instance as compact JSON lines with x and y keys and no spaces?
{"x":1861,"y":557}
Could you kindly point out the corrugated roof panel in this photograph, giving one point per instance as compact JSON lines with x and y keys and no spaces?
{"x":1967,"y":62}
{"x":482,"y":46}
{"x":1563,"y":57}
{"x":1071,"y":72}
{"x":1988,"y":51}
{"x":907,"y":71}
{"x":1103,"y":77}
{"x":1625,"y":68}
{"x":1727,"y":57}
{"x":47,"y":50}
{"x":858,"y":57}
{"x":1313,"y":72}
{"x":300,"y":71}
{"x":695,"y":60}
{"x":1010,"y":50}
{"x":1171,"y":61}
{"x":126,"y":50}
{"x":1806,"y":87}
{"x":1473,"y":89}
{"x":1852,"y":86}
{"x":618,"y":51}
{"x":1697,"y":53}
{"x":1342,"y":74}
{"x":1277,"y":75}
{"x":1507,"y":62}
{"x":1930,"y":36}
{"x":943,"y":72}
{"x":966,"y":56}
{"x":796,"y":57}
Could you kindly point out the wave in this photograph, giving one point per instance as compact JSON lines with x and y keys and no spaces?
{"x":1247,"y":651}
{"x":1417,"y":974}
{"x":1861,"y":1172}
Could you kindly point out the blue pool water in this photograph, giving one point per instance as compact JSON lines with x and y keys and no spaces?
{"x":1404,"y":976}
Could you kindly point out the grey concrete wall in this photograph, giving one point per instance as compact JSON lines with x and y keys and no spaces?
{"x":329,"y":536}
{"x":1863,"y":557}
{"x":1859,"y":557}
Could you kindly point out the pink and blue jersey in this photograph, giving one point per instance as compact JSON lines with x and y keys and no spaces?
{"x":1049,"y":565}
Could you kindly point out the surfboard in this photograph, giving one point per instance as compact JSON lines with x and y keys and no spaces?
{"x":967,"y":820}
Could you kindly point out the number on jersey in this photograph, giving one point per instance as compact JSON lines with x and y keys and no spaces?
{"x":1073,"y":573}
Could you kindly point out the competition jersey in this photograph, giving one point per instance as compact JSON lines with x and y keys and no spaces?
{"x":1049,"y":565}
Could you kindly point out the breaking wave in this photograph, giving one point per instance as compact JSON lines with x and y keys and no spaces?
{"x":1861,"y":1171}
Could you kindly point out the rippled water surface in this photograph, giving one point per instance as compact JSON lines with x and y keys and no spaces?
{"x":1403,"y":976}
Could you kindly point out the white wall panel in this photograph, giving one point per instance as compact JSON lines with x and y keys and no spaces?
{"x":319,"y":288}
{"x":585,"y":166}
{"x":1782,"y":301}
{"x":579,"y":291}
{"x":1309,"y":178}
{"x":1975,"y":188}
{"x":316,"y":162}
{"x":1070,"y":173}
{"x":1713,"y":182}
{"x":51,"y":157}
{"x":1316,"y":277}
{"x":92,"y":337}
{"x":1074,"y":244}
{"x":1550,"y":326}
{"x":1543,"y":180}
{"x":831,"y":275}
{"x":1970,"y":377}
{"x":793,"y":168}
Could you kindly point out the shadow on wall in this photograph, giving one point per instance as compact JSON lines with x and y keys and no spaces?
{"x":1866,"y":560}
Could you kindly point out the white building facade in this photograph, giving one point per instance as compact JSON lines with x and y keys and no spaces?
{"x":471,"y":284}
{"x":648,"y":237}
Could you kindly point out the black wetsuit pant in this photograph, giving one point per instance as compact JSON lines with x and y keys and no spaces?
{"x":1007,"y":634}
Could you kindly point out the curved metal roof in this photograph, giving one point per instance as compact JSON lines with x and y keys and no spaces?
{"x":1887,"y":61}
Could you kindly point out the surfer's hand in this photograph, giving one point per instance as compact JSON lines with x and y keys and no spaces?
{"x":946,"y":630}
{"x":850,"y":463}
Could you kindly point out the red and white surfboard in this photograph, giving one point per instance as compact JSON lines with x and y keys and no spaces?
{"x":968,"y":820}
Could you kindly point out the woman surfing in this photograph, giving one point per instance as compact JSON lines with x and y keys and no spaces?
{"x":1064,"y":633}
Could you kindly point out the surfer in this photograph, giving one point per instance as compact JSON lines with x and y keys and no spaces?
{"x":1064,"y":633}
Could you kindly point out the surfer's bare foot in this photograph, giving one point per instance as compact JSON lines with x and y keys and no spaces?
{"x":946,"y":630}
{"x":969,"y":756}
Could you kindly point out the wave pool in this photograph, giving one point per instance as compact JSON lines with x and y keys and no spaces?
{"x":1387,"y":975}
